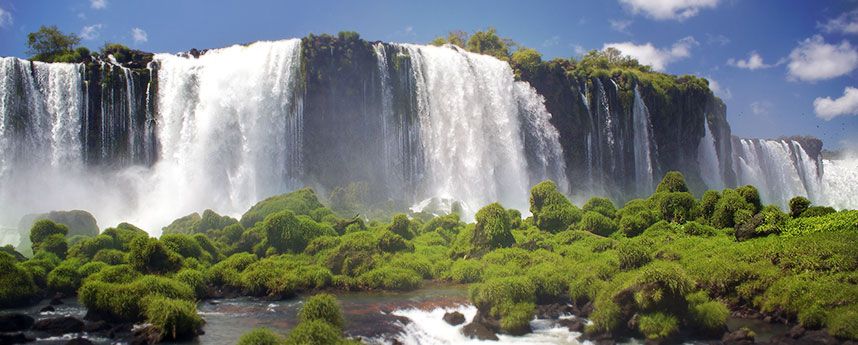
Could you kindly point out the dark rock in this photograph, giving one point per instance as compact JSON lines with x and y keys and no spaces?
{"x":15,"y":338}
{"x":59,"y":325}
{"x":15,"y":322}
{"x":573,"y":324}
{"x":97,"y":326}
{"x":455,"y":318}
{"x":742,"y":336}
{"x":553,"y":310}
{"x":79,"y":341}
{"x":820,"y":337}
{"x":47,"y":308}
{"x":585,"y":310}
{"x":796,"y":332}
{"x":479,"y":331}
{"x":57,"y":299}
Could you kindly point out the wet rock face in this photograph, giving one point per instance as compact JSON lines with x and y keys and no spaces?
{"x":15,"y":338}
{"x":455,"y":318}
{"x":15,"y":322}
{"x":59,"y":325}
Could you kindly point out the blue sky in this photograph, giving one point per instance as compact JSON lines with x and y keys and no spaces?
{"x":783,"y":67}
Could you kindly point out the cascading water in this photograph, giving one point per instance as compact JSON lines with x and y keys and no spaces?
{"x":839,"y":188}
{"x":642,"y":146}
{"x":541,"y":139}
{"x":470,"y":126}
{"x":778,"y":168}
{"x":229,"y":127}
{"x":707,"y":160}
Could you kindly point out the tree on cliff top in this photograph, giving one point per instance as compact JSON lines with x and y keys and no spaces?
{"x":49,"y":43}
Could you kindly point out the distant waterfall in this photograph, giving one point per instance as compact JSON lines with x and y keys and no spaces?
{"x":840,"y":183}
{"x":642,"y":146}
{"x":229,"y":126}
{"x":707,"y":160}
{"x":470,"y":126}
{"x":780,"y":169}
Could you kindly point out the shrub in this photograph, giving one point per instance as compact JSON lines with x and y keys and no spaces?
{"x":125,"y":301}
{"x":301,"y":201}
{"x":726,"y":208}
{"x":55,"y":244}
{"x":91,"y":268}
{"x":43,"y":228}
{"x":390,"y":242}
{"x":632,"y":254}
{"x":65,"y":277}
{"x":752,"y":196}
{"x":798,"y":205}
{"x":466,"y":271}
{"x":354,"y":255}
{"x":261,"y":336}
{"x":710,"y":317}
{"x":17,"y":287}
{"x":633,"y":225}
{"x":674,"y":206}
{"x":195,"y":279}
{"x":493,"y":229}
{"x":115,"y":274}
{"x":598,"y":224}
{"x":401,"y":226}
{"x":672,"y":182}
{"x":516,"y":317}
{"x":658,"y":326}
{"x":88,"y":247}
{"x":227,"y":272}
{"x":123,"y":234}
{"x":600,"y":205}
{"x":149,"y":255}
{"x":708,"y":203}
{"x":287,"y":233}
{"x":841,"y":322}
{"x":173,"y":318}
{"x":315,"y":332}
{"x":111,"y":257}
{"x":844,"y":221}
{"x":322,"y":307}
{"x":184,"y":245}
{"x":556,"y":218}
{"x":697,"y":229}
{"x":390,"y":278}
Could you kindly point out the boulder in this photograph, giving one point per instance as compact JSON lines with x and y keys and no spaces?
{"x":454,"y":318}
{"x":476,"y":330}
{"x":47,"y":309}
{"x":574,"y":324}
{"x":79,"y":341}
{"x":59,"y":325}
{"x":742,"y":336}
{"x":15,"y":322}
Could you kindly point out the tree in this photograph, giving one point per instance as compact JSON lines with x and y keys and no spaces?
{"x":458,"y":37}
{"x":50,"y":42}
{"x":489,"y":43}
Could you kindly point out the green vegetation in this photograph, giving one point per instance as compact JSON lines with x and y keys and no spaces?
{"x":654,"y":268}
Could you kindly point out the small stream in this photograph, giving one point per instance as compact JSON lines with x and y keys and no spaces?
{"x":410,"y":318}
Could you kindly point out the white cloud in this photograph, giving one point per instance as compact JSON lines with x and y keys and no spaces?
{"x":827,"y":108}
{"x":621,"y":25}
{"x":139,"y":35}
{"x":761,"y":108}
{"x":754,"y":61}
{"x":669,"y":9}
{"x":814,"y":59}
{"x":722,"y":92}
{"x":658,"y":58}
{"x":90,"y":32}
{"x":551,"y":42}
{"x":579,"y":49}
{"x":98,"y":4}
{"x":5,"y":18}
{"x":846,"y":23}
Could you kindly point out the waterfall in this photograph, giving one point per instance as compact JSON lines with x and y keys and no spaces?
{"x":229,"y":128}
{"x":469,"y":126}
{"x":707,"y":160}
{"x":780,"y":169}
{"x":642,"y":146}
{"x":839,"y":188}
{"x":541,"y":139}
